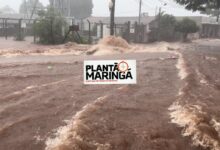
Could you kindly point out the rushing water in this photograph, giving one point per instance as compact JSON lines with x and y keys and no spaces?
{"x":190,"y":112}
{"x":175,"y":105}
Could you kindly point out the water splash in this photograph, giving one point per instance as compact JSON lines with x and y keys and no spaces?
{"x":69,"y":136}
{"x":202,"y":128}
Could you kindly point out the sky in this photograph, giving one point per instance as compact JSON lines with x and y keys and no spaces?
{"x":123,"y":7}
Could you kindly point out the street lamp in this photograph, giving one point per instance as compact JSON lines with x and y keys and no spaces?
{"x":111,"y":4}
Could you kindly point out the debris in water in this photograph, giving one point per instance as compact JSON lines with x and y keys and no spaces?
{"x":49,"y":67}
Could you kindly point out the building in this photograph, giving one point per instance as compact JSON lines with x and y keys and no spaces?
{"x":9,"y":23}
{"x":103,"y":25}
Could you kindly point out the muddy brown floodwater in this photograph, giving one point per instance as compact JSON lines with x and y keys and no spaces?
{"x":175,"y":104}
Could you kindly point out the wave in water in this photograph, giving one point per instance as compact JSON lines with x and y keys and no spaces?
{"x":203,"y":129}
{"x":70,"y":136}
{"x":182,"y":67}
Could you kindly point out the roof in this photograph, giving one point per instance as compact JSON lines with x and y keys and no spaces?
{"x":7,"y":9}
{"x":121,"y":20}
{"x":147,"y":19}
{"x":15,"y":16}
{"x":198,"y":19}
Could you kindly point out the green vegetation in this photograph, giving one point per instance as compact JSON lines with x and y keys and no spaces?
{"x":79,"y":9}
{"x":210,"y":7}
{"x":163,"y":28}
{"x":20,"y":36}
{"x":167,"y":28}
{"x":50,"y":27}
{"x":27,"y":7}
{"x":7,"y":10}
{"x":186,"y":26}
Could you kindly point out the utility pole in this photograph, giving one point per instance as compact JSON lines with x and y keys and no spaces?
{"x":51,"y":3}
{"x":112,"y":16}
{"x":26,"y":9}
{"x":159,"y":22}
{"x":218,"y":15}
{"x":140,"y":11}
{"x":33,"y":11}
{"x":69,"y":8}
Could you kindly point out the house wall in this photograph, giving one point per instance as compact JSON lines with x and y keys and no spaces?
{"x":210,"y":31}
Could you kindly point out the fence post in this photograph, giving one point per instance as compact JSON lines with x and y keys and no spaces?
{"x":34,"y":31}
{"x":128,"y":31}
{"x":136,"y":32}
{"x":19,"y":30}
{"x":6,"y":29}
{"x":89,"y":31}
{"x":101,"y":29}
{"x":115,"y":30}
{"x":72,"y":21}
{"x":51,"y":30}
{"x":3,"y":28}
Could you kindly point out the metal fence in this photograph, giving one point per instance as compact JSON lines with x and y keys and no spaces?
{"x":10,"y":27}
{"x":91,"y":32}
{"x":131,"y":32}
{"x":210,"y":31}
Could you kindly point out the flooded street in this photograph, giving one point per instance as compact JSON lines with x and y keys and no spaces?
{"x":174,"y":105}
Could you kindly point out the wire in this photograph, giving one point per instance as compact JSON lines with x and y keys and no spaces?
{"x":171,"y":5}
{"x":148,"y":6}
{"x":149,"y":2}
{"x":144,"y":4}
{"x":126,"y":12}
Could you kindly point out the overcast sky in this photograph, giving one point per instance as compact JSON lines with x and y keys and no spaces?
{"x":123,"y":7}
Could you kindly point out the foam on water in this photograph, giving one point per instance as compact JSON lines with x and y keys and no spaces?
{"x":203,"y":129}
{"x":181,"y":65}
{"x":210,"y":58}
{"x":202,"y":78}
{"x":69,"y":137}
{"x":37,"y":86}
{"x":3,"y":107}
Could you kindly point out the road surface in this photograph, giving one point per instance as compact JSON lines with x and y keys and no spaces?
{"x":175,"y":105}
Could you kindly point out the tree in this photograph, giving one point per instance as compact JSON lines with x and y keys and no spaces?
{"x":163,"y":28}
{"x":28,"y":6}
{"x":186,"y":26}
{"x":7,"y":10}
{"x":79,"y":9}
{"x":205,"y":6}
{"x":112,"y":16}
{"x":213,"y":12}
{"x":50,"y":27}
